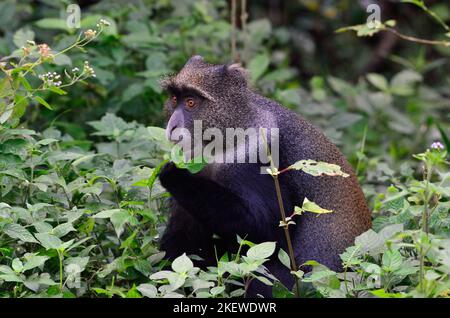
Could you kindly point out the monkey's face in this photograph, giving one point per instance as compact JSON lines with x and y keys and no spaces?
{"x":204,"y":96}
{"x":184,"y":106}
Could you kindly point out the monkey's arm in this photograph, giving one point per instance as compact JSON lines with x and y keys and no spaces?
{"x":223,"y":211}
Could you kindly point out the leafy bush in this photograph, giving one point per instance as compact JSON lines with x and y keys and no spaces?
{"x":81,"y":208}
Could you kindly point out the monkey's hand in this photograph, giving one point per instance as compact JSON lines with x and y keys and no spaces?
{"x":172,"y":177}
{"x":218,"y":208}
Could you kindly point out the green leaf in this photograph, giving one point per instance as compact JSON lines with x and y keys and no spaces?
{"x":11,"y":278}
{"x":62,"y":59}
{"x":341,"y":87}
{"x":379,"y":81}
{"x":313,"y":207}
{"x":344,"y":120}
{"x":106,"y":214}
{"x":263,"y":280}
{"x":110,"y":125}
{"x":403,"y":82}
{"x":284,"y":258}
{"x":19,"y":232}
{"x":182,"y":264}
{"x":63,"y":229}
{"x":194,"y":165}
{"x":21,"y":37}
{"x":49,"y":241}
{"x":217,"y":290}
{"x":41,"y":101}
{"x":176,"y":280}
{"x":77,"y":264}
{"x":25,"y":84}
{"x":319,"y":275}
{"x":52,"y":23}
{"x":119,"y":219}
{"x":147,"y":290}
{"x":261,"y":251}
{"x":34,"y":261}
{"x":392,"y":260}
{"x":318,"y":168}
{"x":258,"y":66}
{"x":17,"y":265}
{"x":57,"y":90}
{"x":383,"y":294}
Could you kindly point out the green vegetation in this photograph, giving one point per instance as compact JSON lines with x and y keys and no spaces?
{"x":81,"y":208}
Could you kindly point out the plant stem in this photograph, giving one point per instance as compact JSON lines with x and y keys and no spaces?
{"x":244,"y":17}
{"x":287,"y":234}
{"x":361,"y":150}
{"x":417,"y":40}
{"x":282,"y":212}
{"x":425,"y":227}
{"x":60,"y":271}
{"x":233,"y":30}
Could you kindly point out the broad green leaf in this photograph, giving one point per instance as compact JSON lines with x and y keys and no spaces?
{"x":19,"y":232}
{"x":176,"y":280}
{"x":313,"y":207}
{"x":218,"y":290}
{"x":17,"y":265}
{"x":11,"y":278}
{"x":49,"y":241}
{"x":52,"y":23}
{"x":284,"y":258}
{"x":318,"y":168}
{"x":41,"y":101}
{"x":392,"y":260}
{"x":63,"y":229}
{"x":106,"y":214}
{"x":261,"y":251}
{"x":383,"y":294}
{"x":182,"y":264}
{"x":57,"y":90}
{"x":21,"y":37}
{"x":379,"y":81}
{"x":258,"y":66}
{"x":34,"y":261}
{"x":319,"y":275}
{"x":147,"y":290}
{"x":77,"y":264}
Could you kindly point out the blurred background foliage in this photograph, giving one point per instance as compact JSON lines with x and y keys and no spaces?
{"x":93,"y":160}
{"x":377,"y":97}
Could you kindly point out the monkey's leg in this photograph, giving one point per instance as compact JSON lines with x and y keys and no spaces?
{"x":185,"y":235}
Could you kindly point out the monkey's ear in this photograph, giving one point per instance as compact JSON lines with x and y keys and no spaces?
{"x":236,"y":70}
{"x":167,"y":83}
{"x":196,"y":59}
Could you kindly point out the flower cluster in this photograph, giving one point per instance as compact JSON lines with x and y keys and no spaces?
{"x":103,"y":23}
{"x":51,"y":79}
{"x":44,"y":50}
{"x":88,"y":70}
{"x":437,"y":146}
{"x":90,"y":33}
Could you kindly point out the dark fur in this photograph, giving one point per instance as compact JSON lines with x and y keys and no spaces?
{"x":230,"y":199}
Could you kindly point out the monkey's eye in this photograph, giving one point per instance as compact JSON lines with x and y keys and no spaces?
{"x":190,"y":102}
{"x":174,"y":100}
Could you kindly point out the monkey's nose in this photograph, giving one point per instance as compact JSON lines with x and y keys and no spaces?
{"x":169,"y":131}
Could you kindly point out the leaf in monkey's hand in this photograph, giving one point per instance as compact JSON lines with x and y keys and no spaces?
{"x":194,"y":165}
{"x":318,"y":168}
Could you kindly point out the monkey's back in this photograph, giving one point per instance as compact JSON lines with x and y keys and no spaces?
{"x":323,"y":237}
